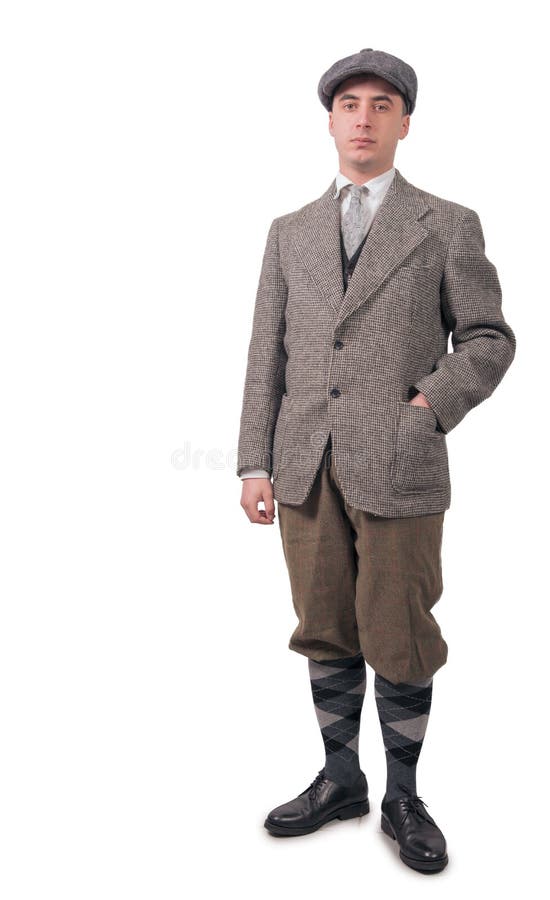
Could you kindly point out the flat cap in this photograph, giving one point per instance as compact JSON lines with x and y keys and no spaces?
{"x":377,"y":62}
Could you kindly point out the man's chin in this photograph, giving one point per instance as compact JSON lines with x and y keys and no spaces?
{"x":361,"y":160}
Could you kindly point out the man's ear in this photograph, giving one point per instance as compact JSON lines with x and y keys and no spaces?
{"x":330,"y":122}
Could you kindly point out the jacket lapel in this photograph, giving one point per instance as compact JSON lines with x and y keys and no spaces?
{"x":394,"y":234}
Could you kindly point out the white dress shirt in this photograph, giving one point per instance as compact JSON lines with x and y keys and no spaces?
{"x":377,"y":191}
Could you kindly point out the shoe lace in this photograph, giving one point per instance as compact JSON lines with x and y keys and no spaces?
{"x":319,"y":778}
{"x":413,"y":804}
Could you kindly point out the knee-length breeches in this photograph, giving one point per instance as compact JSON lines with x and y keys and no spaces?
{"x":362,"y":582}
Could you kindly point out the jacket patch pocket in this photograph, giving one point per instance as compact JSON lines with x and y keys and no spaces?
{"x":420,"y":461}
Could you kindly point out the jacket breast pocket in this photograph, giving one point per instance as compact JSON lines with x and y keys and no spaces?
{"x":417,"y":277}
{"x":420,"y":460}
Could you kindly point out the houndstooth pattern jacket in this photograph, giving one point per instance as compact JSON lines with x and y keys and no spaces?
{"x":323,"y":361}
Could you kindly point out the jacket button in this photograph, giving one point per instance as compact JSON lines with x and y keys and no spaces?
{"x":338,"y":344}
{"x":335,"y":392}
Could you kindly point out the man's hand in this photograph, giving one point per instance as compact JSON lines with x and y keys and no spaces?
{"x":254,"y":491}
{"x":420,"y":400}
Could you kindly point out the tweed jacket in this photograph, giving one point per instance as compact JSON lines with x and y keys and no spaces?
{"x":323,"y":361}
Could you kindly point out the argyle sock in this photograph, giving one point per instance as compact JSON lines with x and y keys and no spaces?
{"x":403,"y":711}
{"x":338,"y":688}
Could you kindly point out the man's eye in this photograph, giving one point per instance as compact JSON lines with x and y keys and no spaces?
{"x":378,"y":106}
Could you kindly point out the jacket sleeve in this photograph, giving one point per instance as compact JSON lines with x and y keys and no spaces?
{"x":265,"y":374}
{"x":484,"y":345}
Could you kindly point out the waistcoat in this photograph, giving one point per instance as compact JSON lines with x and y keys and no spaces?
{"x":348,"y":265}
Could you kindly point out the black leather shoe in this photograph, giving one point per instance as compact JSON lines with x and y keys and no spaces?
{"x":421,"y":843}
{"x":321,"y":802}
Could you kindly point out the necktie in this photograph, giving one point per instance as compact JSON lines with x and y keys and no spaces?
{"x":354,"y":222}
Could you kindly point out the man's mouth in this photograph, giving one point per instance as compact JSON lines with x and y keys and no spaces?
{"x":362,"y":141}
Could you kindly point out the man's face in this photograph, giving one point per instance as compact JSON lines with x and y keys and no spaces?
{"x":366,"y":122}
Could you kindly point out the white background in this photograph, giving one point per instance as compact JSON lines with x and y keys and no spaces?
{"x":151,"y":713}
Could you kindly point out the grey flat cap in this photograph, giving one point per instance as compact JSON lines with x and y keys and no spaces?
{"x":393,"y":69}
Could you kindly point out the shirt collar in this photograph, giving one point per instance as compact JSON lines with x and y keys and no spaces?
{"x":375,"y":185}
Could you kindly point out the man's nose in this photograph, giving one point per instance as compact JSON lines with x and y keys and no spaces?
{"x":363,"y":118}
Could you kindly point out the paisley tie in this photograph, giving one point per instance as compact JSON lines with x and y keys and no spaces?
{"x":354,"y":222}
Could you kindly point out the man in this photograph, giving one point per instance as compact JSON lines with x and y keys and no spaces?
{"x":350,"y":392}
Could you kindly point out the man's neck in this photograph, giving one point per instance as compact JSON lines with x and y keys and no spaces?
{"x":360,"y":176}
